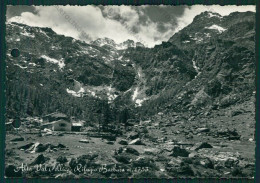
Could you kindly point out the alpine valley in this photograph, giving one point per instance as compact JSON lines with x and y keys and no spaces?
{"x":188,"y":104}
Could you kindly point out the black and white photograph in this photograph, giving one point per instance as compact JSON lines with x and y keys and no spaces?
{"x":150,"y":91}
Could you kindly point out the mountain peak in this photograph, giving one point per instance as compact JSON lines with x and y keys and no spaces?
{"x":130,"y":43}
{"x":111,"y":43}
{"x":208,"y":14}
{"x":104,"y":41}
{"x":213,"y":14}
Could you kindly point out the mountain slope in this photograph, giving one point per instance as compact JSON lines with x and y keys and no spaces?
{"x":54,"y":70}
{"x":208,"y":64}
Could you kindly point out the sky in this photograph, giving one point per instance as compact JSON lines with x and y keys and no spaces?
{"x":147,"y":24}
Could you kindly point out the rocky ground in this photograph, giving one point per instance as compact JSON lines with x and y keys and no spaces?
{"x":217,"y":143}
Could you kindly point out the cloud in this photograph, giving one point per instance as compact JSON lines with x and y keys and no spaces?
{"x":116,"y":22}
{"x":17,"y":10}
{"x":147,"y":24}
{"x":73,"y":21}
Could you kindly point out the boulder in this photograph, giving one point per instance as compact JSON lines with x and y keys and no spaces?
{"x":25,"y":147}
{"x":180,"y":168}
{"x":177,"y":151}
{"x":237,"y":172}
{"x":144,"y":162}
{"x":236,"y":112}
{"x":41,"y":148}
{"x":132,"y":151}
{"x":230,"y":134}
{"x":150,"y":151}
{"x":48,"y":133}
{"x":123,"y":142}
{"x":133,"y":135}
{"x":201,"y":145}
{"x":39,"y":160}
{"x":38,"y":147}
{"x":10,"y":152}
{"x":200,"y":130}
{"x":17,"y":139}
{"x":207,"y":163}
{"x":12,"y":171}
{"x":234,"y":137}
{"x":84,"y":160}
{"x":174,"y":162}
{"x":62,"y":159}
{"x":189,"y":136}
{"x":84,"y":141}
{"x":34,"y":148}
{"x":123,"y":158}
{"x":136,"y":142}
{"x":191,"y":118}
{"x":110,"y":138}
{"x":110,"y":142}
{"x":88,"y":156}
{"x":61,"y":146}
{"x":231,"y":162}
{"x":186,"y":170}
{"x":229,"y":100}
{"x":119,"y":151}
{"x":73,"y":163}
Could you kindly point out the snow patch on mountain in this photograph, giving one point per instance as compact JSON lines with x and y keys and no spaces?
{"x":121,"y":47}
{"x":111,"y":97}
{"x":120,"y":58}
{"x":187,"y":41}
{"x":197,"y":39}
{"x":111,"y":94}
{"x":60,"y":63}
{"x":79,"y":93}
{"x":135,"y":94}
{"x":92,"y":93}
{"x":28,"y":34}
{"x":217,"y":27}
{"x":194,"y":66}
{"x":100,"y":92}
{"x":207,"y":34}
{"x":20,"y":66}
{"x":211,"y":14}
{"x":138,"y":102}
{"x":33,"y":64}
{"x":138,"y":97}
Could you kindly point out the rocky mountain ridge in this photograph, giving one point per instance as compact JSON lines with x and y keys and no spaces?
{"x":107,"y":42}
{"x":205,"y":65}
{"x":212,"y":68}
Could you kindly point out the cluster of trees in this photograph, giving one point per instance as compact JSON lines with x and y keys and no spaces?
{"x":25,"y":100}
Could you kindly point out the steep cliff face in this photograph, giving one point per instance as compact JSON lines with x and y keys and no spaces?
{"x":208,"y":64}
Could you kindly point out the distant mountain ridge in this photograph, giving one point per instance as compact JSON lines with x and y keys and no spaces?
{"x":111,"y":43}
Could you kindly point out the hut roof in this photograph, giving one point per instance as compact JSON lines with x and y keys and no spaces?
{"x":62,"y":120}
{"x":77,"y":124}
{"x":56,"y":115}
{"x":53,"y":122}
